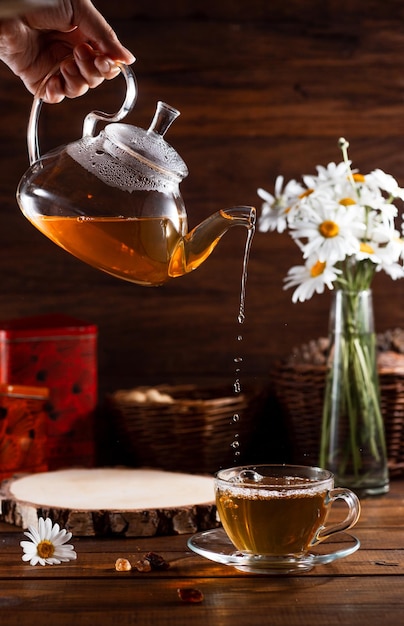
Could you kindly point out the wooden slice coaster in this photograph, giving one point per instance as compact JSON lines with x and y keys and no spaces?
{"x":112,"y":501}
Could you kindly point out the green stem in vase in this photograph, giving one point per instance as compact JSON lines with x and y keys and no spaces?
{"x":353,"y":427}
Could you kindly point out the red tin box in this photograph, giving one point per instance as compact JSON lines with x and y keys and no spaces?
{"x":23,"y":430}
{"x":58,"y":352}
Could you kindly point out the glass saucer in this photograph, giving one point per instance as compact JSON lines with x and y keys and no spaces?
{"x":215,"y":545}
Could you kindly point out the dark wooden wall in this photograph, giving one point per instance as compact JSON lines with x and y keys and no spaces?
{"x":264,"y":88}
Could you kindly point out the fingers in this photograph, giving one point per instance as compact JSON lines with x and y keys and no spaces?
{"x":54,"y":90}
{"x":107,"y":68}
{"x":96,"y":30}
{"x":75,"y":26}
{"x":84,"y":70}
{"x":93,"y":66}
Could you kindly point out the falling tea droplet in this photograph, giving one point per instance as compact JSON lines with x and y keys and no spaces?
{"x":250,"y":476}
{"x":250,"y":235}
{"x":235,"y":445}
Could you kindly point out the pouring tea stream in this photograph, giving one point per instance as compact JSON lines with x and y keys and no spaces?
{"x":112,"y":199}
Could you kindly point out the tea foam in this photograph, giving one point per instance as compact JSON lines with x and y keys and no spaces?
{"x":284,"y":490}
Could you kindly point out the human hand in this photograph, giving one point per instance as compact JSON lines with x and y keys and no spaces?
{"x":73,"y":35}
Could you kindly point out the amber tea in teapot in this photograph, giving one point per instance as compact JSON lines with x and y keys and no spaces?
{"x":113,"y":199}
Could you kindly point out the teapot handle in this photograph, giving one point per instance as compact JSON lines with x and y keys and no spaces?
{"x":91,"y":119}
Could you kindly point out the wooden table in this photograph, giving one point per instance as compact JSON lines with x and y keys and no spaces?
{"x":364,"y":588}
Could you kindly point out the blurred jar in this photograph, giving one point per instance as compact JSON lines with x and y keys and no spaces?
{"x":23,"y":429}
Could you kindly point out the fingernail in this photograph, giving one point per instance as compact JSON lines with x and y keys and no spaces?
{"x":105,"y":65}
{"x":131,"y":58}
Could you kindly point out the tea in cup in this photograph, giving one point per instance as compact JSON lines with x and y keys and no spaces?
{"x":279,"y":512}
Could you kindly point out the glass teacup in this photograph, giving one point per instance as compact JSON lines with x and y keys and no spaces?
{"x":277,"y":513}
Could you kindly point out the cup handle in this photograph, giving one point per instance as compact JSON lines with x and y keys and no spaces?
{"x":354,"y":510}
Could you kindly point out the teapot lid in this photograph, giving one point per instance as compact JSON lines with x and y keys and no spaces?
{"x":149,"y":146}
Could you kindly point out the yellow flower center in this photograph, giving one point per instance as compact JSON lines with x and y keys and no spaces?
{"x":347,"y":201}
{"x":45,"y":549}
{"x":329,"y":229}
{"x":317,"y":269}
{"x":365,"y":247}
{"x":306,"y":193}
{"x":358,"y":178}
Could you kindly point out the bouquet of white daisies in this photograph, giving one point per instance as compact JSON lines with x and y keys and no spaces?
{"x":343,"y":222}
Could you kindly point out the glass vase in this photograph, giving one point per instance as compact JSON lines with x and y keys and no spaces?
{"x":353,"y":443}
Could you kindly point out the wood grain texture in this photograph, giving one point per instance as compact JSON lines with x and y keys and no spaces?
{"x":365,"y":587}
{"x":111,"y":502}
{"x":263,"y":89}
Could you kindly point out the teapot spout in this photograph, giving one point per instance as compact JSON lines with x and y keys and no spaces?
{"x":192,"y":249}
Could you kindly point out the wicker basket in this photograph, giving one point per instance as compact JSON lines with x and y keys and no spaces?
{"x":192,"y":432}
{"x":299,"y":390}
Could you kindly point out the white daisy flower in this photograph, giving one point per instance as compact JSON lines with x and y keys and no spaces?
{"x":383,"y":211}
{"x":310,"y":278}
{"x":379,"y":254}
{"x":394,"y":270}
{"x":386,"y":182}
{"x":47,"y":545}
{"x":385,"y":257}
{"x":275,"y":208}
{"x":332,"y":231}
{"x":332,"y":174}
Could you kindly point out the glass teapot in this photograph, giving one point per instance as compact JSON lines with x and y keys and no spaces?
{"x":112,"y":199}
